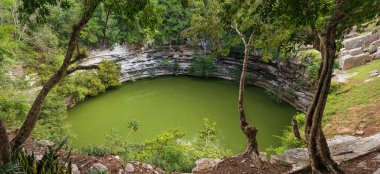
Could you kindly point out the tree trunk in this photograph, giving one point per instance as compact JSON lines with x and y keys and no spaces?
{"x":249,"y":131}
{"x":319,"y":153}
{"x":34,"y":112}
{"x":105,"y":27}
{"x":296,"y":130}
{"x":5,"y":148}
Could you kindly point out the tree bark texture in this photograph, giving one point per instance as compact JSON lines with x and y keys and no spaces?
{"x":249,"y":131}
{"x":319,"y":153}
{"x":5,"y":148}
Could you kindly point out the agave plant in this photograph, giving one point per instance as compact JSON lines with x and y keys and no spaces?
{"x":49,"y":163}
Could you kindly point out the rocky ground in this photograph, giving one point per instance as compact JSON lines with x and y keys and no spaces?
{"x":354,"y":154}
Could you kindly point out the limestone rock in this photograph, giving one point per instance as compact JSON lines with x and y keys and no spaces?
{"x":298,"y":158}
{"x":377,"y":171}
{"x":44,"y":143}
{"x":129,"y":168}
{"x":368,"y":80}
{"x":356,"y":51}
{"x":359,"y":132}
{"x":99,"y":167}
{"x":374,"y":73}
{"x":205,"y":163}
{"x":373,"y":47}
{"x":360,"y":40}
{"x":147,"y":166}
{"x":349,"y":61}
{"x":74,"y":169}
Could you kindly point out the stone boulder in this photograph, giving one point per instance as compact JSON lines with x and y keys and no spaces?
{"x":205,"y":164}
{"x":360,"y":40}
{"x":44,"y":143}
{"x":356,"y":51}
{"x":373,"y":47}
{"x":74,"y":169}
{"x":129,"y":168}
{"x":99,"y":167}
{"x":349,"y":61}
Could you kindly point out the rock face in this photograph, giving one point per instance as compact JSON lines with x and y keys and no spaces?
{"x":99,"y":167}
{"x":285,"y":79}
{"x":342,"y":148}
{"x":360,"y":50}
{"x":205,"y":164}
{"x":44,"y":143}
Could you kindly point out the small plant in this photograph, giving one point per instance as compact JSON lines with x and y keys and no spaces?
{"x":287,"y":139}
{"x":164,"y":64}
{"x":49,"y":163}
{"x":95,"y":150}
{"x":10,"y":168}
{"x":312,"y":59}
{"x":175,"y":67}
{"x":202,"y":66}
{"x":98,"y":172}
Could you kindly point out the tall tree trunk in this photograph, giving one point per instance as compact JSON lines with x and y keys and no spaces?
{"x":319,"y":153}
{"x":34,"y":112}
{"x":5,"y":148}
{"x":249,"y":131}
{"x":105,"y":26}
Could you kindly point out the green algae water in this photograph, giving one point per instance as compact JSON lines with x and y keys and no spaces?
{"x":179,"y":102}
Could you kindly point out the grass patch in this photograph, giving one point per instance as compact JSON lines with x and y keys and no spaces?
{"x":343,"y":99}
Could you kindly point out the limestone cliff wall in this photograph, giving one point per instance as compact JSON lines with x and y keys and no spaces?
{"x":282,"y":78}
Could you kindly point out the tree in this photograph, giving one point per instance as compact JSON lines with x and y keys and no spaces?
{"x":40,"y":10}
{"x":327,"y":20}
{"x":231,"y":22}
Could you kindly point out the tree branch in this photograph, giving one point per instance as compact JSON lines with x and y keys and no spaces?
{"x":240,"y":34}
{"x":81,"y":67}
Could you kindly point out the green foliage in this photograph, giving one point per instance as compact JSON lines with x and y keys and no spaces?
{"x":175,"y":67}
{"x":287,"y":139}
{"x":175,"y":19}
{"x":312,"y":59}
{"x":98,"y":172}
{"x":52,"y":125}
{"x":95,"y":150}
{"x":109,"y":74}
{"x":167,"y":150}
{"x":115,"y":143}
{"x":202,"y":66}
{"x":49,"y":163}
{"x":10,"y":168}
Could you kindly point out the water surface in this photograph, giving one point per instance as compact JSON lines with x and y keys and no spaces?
{"x":179,"y":102}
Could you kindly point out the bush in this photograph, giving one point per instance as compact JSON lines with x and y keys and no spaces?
{"x":202,"y":66}
{"x":109,"y":74}
{"x":287,"y":139}
{"x":175,"y":67}
{"x":95,"y":150}
{"x":312,"y":59}
{"x":22,"y":162}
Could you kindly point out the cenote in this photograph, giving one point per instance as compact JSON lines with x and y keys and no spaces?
{"x":179,"y":102}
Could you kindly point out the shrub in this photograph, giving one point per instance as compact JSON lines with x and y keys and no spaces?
{"x":109,"y":74}
{"x":202,"y":65}
{"x":49,"y":163}
{"x":175,"y":67}
{"x":312,"y":59}
{"x":95,"y":150}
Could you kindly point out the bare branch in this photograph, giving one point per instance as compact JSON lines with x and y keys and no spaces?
{"x":81,"y":67}
{"x":240,"y":34}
